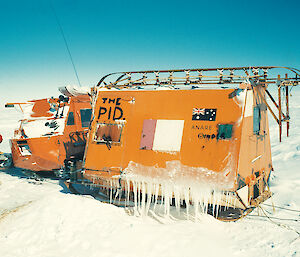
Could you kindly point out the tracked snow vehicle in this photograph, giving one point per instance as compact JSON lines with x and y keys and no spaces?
{"x":52,"y":132}
{"x":196,"y":137}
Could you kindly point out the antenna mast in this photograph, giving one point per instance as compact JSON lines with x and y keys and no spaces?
{"x":65,"y":40}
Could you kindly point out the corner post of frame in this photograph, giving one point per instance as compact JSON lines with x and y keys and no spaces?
{"x":279,"y":108}
{"x":287,"y":107}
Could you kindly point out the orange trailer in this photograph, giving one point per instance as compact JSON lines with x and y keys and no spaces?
{"x":52,"y":132}
{"x":198,"y":137}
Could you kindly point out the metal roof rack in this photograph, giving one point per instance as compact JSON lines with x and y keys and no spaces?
{"x":201,"y":76}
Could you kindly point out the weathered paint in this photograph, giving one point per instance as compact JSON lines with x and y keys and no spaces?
{"x":199,"y":147}
{"x":148,"y":132}
{"x":48,"y":151}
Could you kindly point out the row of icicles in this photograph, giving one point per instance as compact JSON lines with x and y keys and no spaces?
{"x":168,"y":198}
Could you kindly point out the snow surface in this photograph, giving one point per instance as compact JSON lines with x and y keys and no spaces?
{"x":44,"y":220}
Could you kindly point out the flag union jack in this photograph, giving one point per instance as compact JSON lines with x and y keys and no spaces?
{"x":198,"y":111}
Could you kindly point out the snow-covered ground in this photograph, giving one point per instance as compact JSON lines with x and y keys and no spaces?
{"x":43,"y":220}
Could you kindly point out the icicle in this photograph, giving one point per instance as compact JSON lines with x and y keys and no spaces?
{"x":195,"y":200}
{"x":139,"y":195}
{"x":162,"y":196}
{"x":168,"y":199}
{"x":128,"y":191}
{"x":156,"y":195}
{"x":177,"y":199}
{"x":110,"y":192}
{"x":187,"y":201}
{"x":143,"y":199}
{"x":149,"y":196}
{"x":135,"y":198}
{"x":218,"y":197}
{"x":153,"y":185}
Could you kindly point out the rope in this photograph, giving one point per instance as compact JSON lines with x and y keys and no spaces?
{"x":279,"y":207}
{"x":276,"y":218}
{"x":280,"y":224}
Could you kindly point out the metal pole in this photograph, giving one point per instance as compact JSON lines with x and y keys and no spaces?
{"x":279,"y":109}
{"x":287,"y":108}
{"x":273,"y":100}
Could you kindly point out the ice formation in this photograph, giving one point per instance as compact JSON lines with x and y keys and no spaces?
{"x":158,"y":189}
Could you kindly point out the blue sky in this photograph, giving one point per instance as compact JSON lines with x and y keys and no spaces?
{"x":108,"y":36}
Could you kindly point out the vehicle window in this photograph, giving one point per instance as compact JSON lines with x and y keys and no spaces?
{"x":85,"y":115}
{"x":71,"y":119}
{"x":108,"y":133}
{"x":23,"y":147}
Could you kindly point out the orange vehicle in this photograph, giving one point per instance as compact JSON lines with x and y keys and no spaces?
{"x":198,"y":137}
{"x":52,"y":132}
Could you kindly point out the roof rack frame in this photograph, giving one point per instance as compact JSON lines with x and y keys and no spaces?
{"x":200,"y":76}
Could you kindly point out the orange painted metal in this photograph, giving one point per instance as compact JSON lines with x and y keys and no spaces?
{"x":196,"y":149}
{"x":239,"y":159}
{"x":48,"y":152}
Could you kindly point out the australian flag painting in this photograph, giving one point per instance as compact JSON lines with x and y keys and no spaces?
{"x":204,"y":114}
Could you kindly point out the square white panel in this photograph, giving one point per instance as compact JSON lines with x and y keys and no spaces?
{"x":168,"y":135}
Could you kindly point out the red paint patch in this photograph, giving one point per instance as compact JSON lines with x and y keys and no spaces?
{"x":148,"y":134}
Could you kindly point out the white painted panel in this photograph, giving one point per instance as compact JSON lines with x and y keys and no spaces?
{"x":249,"y":104}
{"x":37,"y":128}
{"x":243,"y":194}
{"x":168,"y":135}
